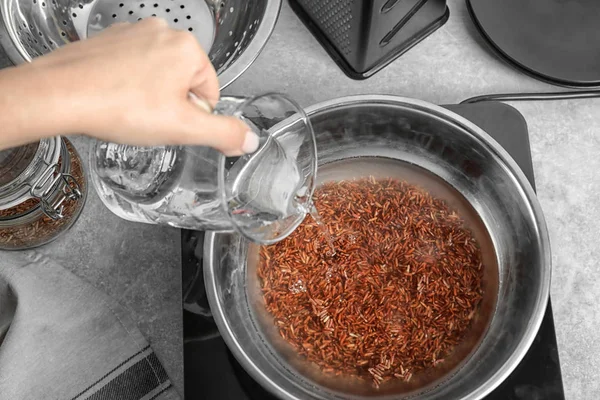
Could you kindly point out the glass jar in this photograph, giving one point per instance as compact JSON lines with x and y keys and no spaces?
{"x":43,"y":189}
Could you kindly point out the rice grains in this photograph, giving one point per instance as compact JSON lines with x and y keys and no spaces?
{"x":396,"y":297}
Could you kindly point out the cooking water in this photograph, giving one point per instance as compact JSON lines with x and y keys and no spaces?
{"x":352,"y":168}
{"x":314,"y":213}
{"x":386,"y":168}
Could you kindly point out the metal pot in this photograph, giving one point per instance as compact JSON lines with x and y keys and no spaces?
{"x":465,"y":157}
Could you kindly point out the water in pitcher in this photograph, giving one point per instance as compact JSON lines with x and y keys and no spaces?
{"x":178,"y":186}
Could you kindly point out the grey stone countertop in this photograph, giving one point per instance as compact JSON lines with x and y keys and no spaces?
{"x":139,"y":265}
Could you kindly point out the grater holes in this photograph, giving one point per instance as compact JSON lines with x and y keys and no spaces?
{"x":80,"y":6}
{"x":176,"y":20}
{"x":188,"y":17}
{"x":63,"y":34}
{"x":114,"y":15}
{"x":121,"y":5}
{"x":190,"y":29}
{"x":155,"y":5}
{"x":168,"y":10}
{"x":43,"y":4}
{"x":182,"y":6}
{"x":142,"y":5}
{"x":74,"y":15}
{"x":130,"y":13}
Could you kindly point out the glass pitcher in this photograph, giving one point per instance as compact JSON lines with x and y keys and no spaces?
{"x":264,"y":195}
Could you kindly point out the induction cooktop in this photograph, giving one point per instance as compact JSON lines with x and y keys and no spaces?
{"x":211,"y":372}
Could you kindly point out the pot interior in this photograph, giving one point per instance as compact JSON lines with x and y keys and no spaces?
{"x":385,"y":168}
{"x":451,"y":159}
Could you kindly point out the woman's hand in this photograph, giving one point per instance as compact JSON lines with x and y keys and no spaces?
{"x":130,"y":85}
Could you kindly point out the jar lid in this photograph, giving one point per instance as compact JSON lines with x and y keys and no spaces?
{"x":22,"y":167}
{"x":14,"y":161}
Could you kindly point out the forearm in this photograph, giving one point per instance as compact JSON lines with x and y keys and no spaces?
{"x":33,"y":106}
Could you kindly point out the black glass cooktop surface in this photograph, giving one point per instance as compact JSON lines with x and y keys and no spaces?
{"x":211,"y":372}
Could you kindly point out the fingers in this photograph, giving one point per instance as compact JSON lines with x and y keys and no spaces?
{"x":227,"y":134}
{"x":205,"y":83}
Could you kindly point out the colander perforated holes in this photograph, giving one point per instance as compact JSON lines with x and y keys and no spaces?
{"x":194,"y":16}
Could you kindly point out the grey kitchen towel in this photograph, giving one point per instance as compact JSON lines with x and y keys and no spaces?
{"x":60,"y":338}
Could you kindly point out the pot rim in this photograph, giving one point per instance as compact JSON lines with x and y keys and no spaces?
{"x":520,"y":180}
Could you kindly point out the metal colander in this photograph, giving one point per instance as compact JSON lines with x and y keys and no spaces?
{"x":233,"y":32}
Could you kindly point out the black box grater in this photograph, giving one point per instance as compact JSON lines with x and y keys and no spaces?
{"x":363,"y":36}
